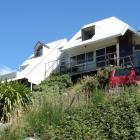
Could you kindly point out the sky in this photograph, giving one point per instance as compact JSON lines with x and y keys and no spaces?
{"x":25,"y":22}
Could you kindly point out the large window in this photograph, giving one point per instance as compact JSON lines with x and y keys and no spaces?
{"x":89,"y":57}
{"x":137,"y":47}
{"x":100,"y":57}
{"x":73,"y":60}
{"x":137,"y":54}
{"x":82,"y":58}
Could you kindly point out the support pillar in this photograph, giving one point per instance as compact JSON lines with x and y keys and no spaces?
{"x":31,"y":86}
{"x":117,"y":54}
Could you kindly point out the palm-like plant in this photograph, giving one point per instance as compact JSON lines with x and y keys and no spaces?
{"x":12,"y":95}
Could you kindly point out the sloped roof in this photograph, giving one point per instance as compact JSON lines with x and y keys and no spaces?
{"x":34,"y":63}
{"x":38,"y":44}
{"x":49,"y":45}
{"x":104,"y":29}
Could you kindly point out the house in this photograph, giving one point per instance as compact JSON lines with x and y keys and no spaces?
{"x":97,"y":45}
{"x":40,"y":64}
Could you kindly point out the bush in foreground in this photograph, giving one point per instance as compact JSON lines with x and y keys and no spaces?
{"x":116,"y":118}
{"x":56,"y":83}
{"x":13,"y":95}
{"x":103,"y":117}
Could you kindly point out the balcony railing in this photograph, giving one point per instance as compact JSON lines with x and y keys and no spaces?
{"x":93,"y":66}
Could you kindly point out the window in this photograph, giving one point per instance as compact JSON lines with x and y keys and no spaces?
{"x":89,"y":57}
{"x":88,"y":33}
{"x":137,"y":69}
{"x":73,"y":60}
{"x":100,"y":58}
{"x":137,"y":54}
{"x":39,"y":51}
{"x":23,"y":67}
{"x":80,"y":58}
{"x":137,"y":47}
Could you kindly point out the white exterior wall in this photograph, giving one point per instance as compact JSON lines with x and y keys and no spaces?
{"x":38,"y":68}
{"x":91,"y":47}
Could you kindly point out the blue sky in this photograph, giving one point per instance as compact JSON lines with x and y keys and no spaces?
{"x":24,"y":22}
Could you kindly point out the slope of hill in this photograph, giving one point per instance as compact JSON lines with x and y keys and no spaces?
{"x":62,"y":110}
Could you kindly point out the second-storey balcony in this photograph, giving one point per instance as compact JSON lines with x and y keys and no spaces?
{"x":85,"y":67}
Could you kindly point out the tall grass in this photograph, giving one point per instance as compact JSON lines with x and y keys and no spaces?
{"x":44,"y":115}
{"x":83,"y":112}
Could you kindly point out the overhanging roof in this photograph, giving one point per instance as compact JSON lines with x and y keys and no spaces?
{"x":104,"y":30}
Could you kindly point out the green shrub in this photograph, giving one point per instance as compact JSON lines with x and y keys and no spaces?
{"x":39,"y":122}
{"x":116,"y":118}
{"x":12,"y":96}
{"x":104,"y":117}
{"x":89,"y":83}
{"x":57,"y":82}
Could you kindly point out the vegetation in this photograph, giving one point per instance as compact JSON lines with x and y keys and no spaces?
{"x":83,"y":111}
{"x":13,"y":95}
{"x":105,"y":117}
{"x":56,"y":82}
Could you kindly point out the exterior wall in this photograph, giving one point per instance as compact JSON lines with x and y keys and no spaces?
{"x":124,"y":52}
{"x":43,"y":69}
{"x":87,"y":66}
{"x":91,"y":47}
{"x":40,"y":68}
{"x":136,"y":40}
{"x":136,"y":50}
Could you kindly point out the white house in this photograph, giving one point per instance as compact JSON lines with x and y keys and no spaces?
{"x":40,"y":64}
{"x":106,"y":42}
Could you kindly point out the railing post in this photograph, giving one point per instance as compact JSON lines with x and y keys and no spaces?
{"x":117,"y":53}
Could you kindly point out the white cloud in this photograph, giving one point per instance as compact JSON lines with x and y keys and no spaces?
{"x":5,"y":70}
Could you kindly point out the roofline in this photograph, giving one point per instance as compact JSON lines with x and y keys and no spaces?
{"x":42,"y":44}
{"x":127,"y":27}
{"x":90,"y":42}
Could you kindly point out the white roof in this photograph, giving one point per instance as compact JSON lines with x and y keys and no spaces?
{"x":35,"y":62}
{"x":48,"y":45}
{"x":104,"y":29}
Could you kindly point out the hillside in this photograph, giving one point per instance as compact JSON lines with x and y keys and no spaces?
{"x":81,"y":111}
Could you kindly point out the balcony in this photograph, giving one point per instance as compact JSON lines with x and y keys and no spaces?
{"x":93,"y":66}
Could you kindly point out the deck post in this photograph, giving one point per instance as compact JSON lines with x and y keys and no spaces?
{"x":117,"y":53}
{"x":31,"y":86}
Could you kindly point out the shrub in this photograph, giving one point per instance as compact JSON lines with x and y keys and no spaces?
{"x":89,"y":83}
{"x":12,"y":95}
{"x":39,"y":122}
{"x":116,"y":118}
{"x":57,"y":82}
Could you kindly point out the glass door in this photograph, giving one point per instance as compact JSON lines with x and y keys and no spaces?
{"x":100,"y":58}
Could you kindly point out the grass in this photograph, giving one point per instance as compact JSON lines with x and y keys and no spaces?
{"x":74,"y":115}
{"x":43,"y":115}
